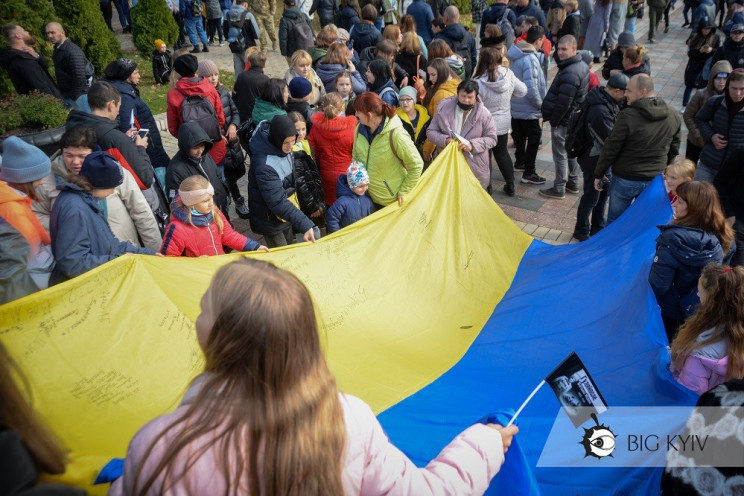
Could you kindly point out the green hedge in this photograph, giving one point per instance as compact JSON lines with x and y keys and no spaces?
{"x":152,"y":20}
{"x":33,"y":15}
{"x":84,"y":24}
{"x":464,"y":6}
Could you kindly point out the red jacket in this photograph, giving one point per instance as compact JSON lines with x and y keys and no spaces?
{"x":196,"y":86}
{"x":332,"y":141}
{"x":202,"y":238}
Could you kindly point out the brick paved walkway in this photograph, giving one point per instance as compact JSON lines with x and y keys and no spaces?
{"x":549,"y":220}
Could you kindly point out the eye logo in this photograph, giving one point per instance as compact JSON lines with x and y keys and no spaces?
{"x":598,"y":441}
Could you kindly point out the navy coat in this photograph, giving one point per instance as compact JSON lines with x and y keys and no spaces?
{"x":81,"y":238}
{"x":681,"y":254}
{"x":348,"y":207}
{"x":271,"y":181}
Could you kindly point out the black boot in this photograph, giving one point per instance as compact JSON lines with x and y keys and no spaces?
{"x":205,"y":49}
{"x":241,"y":209}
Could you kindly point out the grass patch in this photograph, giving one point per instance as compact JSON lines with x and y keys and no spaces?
{"x":156,"y":96}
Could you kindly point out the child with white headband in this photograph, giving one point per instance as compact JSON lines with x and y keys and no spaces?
{"x":198,"y":228}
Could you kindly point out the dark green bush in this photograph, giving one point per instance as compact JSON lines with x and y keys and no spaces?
{"x":33,"y":15}
{"x":152,"y":20}
{"x":84,"y":24}
{"x":464,"y":6}
{"x":36,"y":111}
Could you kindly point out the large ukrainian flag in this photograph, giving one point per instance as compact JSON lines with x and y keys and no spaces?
{"x":437,"y":314}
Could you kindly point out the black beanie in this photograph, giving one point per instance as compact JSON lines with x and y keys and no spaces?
{"x":101,"y":170}
{"x":120,"y":69}
{"x":186,"y":65}
{"x":281,"y":128}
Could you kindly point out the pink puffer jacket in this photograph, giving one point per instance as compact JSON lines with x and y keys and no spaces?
{"x":373,"y":465}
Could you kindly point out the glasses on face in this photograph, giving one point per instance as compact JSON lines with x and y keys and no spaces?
{"x":406,"y":100}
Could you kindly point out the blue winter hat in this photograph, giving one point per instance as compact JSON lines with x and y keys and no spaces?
{"x":299,"y":87}
{"x":356,"y":175}
{"x":102,"y":170}
{"x":23,"y":162}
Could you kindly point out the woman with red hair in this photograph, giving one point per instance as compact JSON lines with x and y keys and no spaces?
{"x":393,"y":163}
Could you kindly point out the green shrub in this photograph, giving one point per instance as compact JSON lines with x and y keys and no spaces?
{"x":152,"y":20}
{"x":85,"y":26}
{"x":464,"y":6}
{"x":33,"y":15}
{"x":36,"y":111}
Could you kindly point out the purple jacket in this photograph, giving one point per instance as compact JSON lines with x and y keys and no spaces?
{"x":478,"y":128}
{"x":372,"y":464}
{"x":700,"y":374}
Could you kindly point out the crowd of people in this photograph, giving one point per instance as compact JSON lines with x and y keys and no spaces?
{"x":363,"y":108}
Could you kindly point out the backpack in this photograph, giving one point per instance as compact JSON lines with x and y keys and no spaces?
{"x":197,"y":108}
{"x":462,"y":48}
{"x":302,"y":35}
{"x":196,"y":8}
{"x":235,"y":19}
{"x":578,"y":137}
{"x":506,"y":28}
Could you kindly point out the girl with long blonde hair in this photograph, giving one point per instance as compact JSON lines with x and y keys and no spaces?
{"x":266,"y":416}
{"x":709,"y":348}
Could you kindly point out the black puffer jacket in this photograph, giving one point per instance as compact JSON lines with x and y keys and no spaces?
{"x":232,"y":116}
{"x":601,"y":112}
{"x":712,"y":119}
{"x":347,"y":18}
{"x":162,"y":64}
{"x":69,"y":67}
{"x":568,"y":90}
{"x":731,"y":51}
{"x":181,"y":166}
{"x":309,"y":184}
{"x":268,"y":191}
{"x":326,"y":10}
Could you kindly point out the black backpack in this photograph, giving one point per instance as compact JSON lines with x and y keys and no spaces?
{"x":462,"y":48}
{"x":578,"y":137}
{"x":302,"y":36}
{"x":197,"y":108}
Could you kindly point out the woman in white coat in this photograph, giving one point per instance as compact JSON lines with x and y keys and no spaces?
{"x":498,"y":85}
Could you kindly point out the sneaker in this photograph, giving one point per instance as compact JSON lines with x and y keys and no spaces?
{"x":518,"y":166}
{"x":682,"y":109}
{"x":532,"y":179}
{"x":573,"y":189}
{"x":666,"y":29}
{"x":205,"y":49}
{"x":509,"y":189}
{"x":651,"y":40}
{"x":211,"y":43}
{"x":222,"y":44}
{"x":552,"y":193}
{"x":241,"y":209}
{"x":275,"y":46}
{"x":196,"y":50}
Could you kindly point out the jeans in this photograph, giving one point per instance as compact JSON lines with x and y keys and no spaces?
{"x":526,"y":132}
{"x":687,"y":95}
{"x":617,"y":22}
{"x":630,"y":23}
{"x":122,"y":8}
{"x":590,"y":216}
{"x":704,"y":173}
{"x":622,"y":194}
{"x":194,"y":27}
{"x":566,"y":169}
{"x":503,"y":159}
{"x":685,"y":13}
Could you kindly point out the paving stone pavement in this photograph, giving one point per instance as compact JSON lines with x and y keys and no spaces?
{"x":551,"y":221}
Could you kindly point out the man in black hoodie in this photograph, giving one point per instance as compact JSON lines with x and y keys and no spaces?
{"x":27,"y":69}
{"x":458,"y":38}
{"x":566,"y":92}
{"x":602,"y":107}
{"x":643,"y":141}
{"x":193,"y":159}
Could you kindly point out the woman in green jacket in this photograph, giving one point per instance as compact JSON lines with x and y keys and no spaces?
{"x":273,"y":101}
{"x":393,"y":163}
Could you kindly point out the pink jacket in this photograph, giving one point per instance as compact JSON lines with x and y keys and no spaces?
{"x":700,"y":374}
{"x":372,"y":464}
{"x":478,"y":128}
